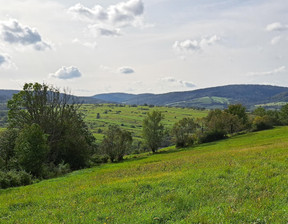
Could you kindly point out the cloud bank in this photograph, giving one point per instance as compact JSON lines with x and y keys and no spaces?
{"x":14,"y":32}
{"x":67,"y":73}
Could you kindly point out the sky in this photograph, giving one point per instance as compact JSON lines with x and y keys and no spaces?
{"x":143,"y":46}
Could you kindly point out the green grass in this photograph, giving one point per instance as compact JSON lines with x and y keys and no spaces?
{"x":239,"y":180}
{"x":131,"y":118}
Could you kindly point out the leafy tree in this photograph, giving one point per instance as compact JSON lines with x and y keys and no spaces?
{"x":153,"y":130}
{"x":284,"y":114}
{"x":219,"y":124}
{"x":183,"y":132}
{"x":240,"y":111}
{"x":31,"y":149}
{"x":58,"y":116}
{"x":7,"y":145}
{"x":262,"y":123}
{"x":116,"y":143}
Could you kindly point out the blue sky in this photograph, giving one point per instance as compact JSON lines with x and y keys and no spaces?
{"x":140,"y":46}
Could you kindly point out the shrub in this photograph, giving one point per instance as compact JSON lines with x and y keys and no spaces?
{"x":262,"y":123}
{"x":14,"y":179}
{"x":211,"y":136}
{"x":98,"y":159}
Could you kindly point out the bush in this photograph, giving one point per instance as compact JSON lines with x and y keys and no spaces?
{"x":262,"y":123}
{"x":213,"y":136}
{"x":98,"y":159}
{"x":14,"y":179}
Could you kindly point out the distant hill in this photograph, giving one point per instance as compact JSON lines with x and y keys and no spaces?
{"x":215,"y":97}
{"x":6,"y":95}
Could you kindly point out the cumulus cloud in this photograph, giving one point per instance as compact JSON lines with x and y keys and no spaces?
{"x":66,"y":73}
{"x":175,"y":82}
{"x":195,"y":45}
{"x":268,"y":73}
{"x":14,"y":32}
{"x":276,"y":27}
{"x":107,"y":21}
{"x":126,"y":70}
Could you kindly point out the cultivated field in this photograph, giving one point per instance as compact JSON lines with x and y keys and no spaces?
{"x":237,"y":180}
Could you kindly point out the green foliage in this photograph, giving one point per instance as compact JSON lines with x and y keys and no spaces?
{"x":239,"y":111}
{"x":284,"y":114}
{"x":153,"y":130}
{"x":58,"y":117}
{"x":31,"y":149}
{"x":7,"y":145}
{"x":262,"y":123}
{"x":14,"y":178}
{"x":184,"y":132}
{"x":116,"y":143}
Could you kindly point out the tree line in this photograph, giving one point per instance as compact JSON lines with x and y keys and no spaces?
{"x":47,"y":136}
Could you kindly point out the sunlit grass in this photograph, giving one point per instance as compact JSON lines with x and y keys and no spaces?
{"x":237,"y":180}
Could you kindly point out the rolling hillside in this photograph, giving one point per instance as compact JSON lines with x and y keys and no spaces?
{"x":215,"y":97}
{"x":237,"y":180}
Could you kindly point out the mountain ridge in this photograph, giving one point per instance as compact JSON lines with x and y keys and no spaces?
{"x":212,"y":97}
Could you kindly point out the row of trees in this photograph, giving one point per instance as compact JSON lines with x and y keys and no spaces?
{"x":46,"y":135}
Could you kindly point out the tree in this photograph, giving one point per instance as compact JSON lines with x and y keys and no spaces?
{"x":153,"y":130}
{"x":284,"y":114}
{"x":7,"y":145}
{"x":59,"y":118}
{"x":183,"y":132}
{"x":116,"y":143}
{"x":31,"y":149}
{"x":240,"y":111}
{"x":219,"y":124}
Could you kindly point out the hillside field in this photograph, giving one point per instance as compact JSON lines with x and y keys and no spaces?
{"x":131,"y":118}
{"x":238,"y":180}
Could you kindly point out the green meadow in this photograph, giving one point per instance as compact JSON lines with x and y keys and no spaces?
{"x":130,"y":118}
{"x":243,"y":179}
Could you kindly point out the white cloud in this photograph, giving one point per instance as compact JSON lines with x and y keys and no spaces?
{"x":66,"y":73}
{"x":106,"y":22}
{"x":275,"y":40}
{"x":14,"y":32}
{"x":195,"y":45}
{"x":83,"y":13}
{"x":178,"y":83}
{"x":276,"y":27}
{"x":126,"y":70}
{"x":268,"y":73}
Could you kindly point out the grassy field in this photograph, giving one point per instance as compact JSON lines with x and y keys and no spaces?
{"x":131,"y":118}
{"x":239,"y":180}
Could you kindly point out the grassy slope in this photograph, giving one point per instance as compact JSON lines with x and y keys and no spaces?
{"x":131,"y":118}
{"x":238,"y":180}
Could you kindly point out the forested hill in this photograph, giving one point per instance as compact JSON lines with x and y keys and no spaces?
{"x":215,"y":97}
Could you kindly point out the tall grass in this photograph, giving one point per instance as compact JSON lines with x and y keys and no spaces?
{"x":237,"y":180}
